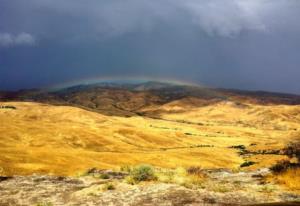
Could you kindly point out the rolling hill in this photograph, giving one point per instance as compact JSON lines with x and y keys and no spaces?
{"x":70,"y":130}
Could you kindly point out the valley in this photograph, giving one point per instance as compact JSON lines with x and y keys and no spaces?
{"x":68,"y":132}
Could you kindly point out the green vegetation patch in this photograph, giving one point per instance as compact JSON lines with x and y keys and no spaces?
{"x":7,"y":107}
{"x":247,"y":164}
{"x":143,"y":173}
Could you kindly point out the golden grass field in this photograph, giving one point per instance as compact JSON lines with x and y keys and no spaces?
{"x":64,"y":140}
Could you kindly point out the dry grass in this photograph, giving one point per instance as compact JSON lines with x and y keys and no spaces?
{"x":289,"y":178}
{"x":179,"y":176}
{"x":39,"y":138}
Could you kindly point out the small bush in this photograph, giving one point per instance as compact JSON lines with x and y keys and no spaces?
{"x":143,"y":173}
{"x":8,"y":107}
{"x":241,"y":147}
{"x":104,"y":176}
{"x":109,"y":186}
{"x":280,"y":166}
{"x":88,"y":172}
{"x":130,"y":180}
{"x":181,"y":176}
{"x":247,"y":164}
{"x":125,"y":168}
{"x":92,"y":170}
{"x":165,"y":175}
{"x":293,"y":150}
{"x":190,"y":178}
{"x":194,"y":171}
{"x":283,"y":166}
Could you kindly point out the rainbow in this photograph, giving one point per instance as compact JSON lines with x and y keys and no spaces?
{"x":138,"y":79}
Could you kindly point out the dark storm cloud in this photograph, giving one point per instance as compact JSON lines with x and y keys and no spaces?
{"x":247,"y":44}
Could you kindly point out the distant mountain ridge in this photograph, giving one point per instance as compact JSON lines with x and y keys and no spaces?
{"x":127,"y":99}
{"x":145,"y":86}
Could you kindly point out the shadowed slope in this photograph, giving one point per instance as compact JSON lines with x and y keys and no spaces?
{"x":118,"y":99}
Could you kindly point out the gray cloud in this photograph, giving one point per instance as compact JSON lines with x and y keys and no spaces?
{"x":6,"y":39}
{"x":245,"y":44}
{"x":224,"y":18}
{"x":24,"y":39}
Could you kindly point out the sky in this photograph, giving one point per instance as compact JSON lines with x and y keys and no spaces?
{"x":242,"y":44}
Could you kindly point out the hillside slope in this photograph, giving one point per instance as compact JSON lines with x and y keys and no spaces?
{"x":64,"y":140}
{"x":132,"y":99}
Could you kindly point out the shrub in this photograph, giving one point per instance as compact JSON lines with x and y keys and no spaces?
{"x":109,"y":186}
{"x":293,"y":150}
{"x":125,"y":168}
{"x":142,"y":173}
{"x":89,"y":172}
{"x":104,"y":176}
{"x":164,"y":175}
{"x":181,"y":176}
{"x":130,"y":180}
{"x":8,"y":107}
{"x":280,"y":166}
{"x":194,"y":171}
{"x":247,"y":164}
{"x":241,"y":147}
{"x":283,"y":166}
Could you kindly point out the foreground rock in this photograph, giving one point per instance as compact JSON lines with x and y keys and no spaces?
{"x":223,"y":188}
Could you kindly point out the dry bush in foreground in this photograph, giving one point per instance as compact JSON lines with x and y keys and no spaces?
{"x":288,"y":173}
{"x":293,"y":150}
{"x":194,"y":171}
{"x":141,"y":173}
{"x":191,"y":177}
{"x":109,"y":186}
{"x":283,"y":166}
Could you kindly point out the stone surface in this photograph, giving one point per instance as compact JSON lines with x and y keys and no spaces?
{"x":223,"y":188}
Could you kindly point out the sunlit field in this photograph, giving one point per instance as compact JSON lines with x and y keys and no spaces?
{"x":62,"y":140}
